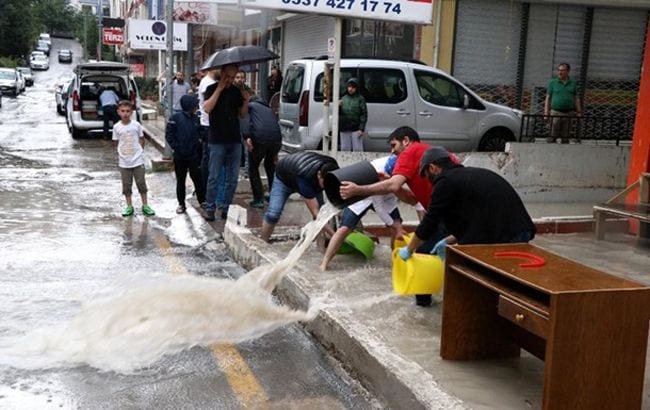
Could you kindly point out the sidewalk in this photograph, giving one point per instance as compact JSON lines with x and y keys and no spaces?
{"x":392,"y":346}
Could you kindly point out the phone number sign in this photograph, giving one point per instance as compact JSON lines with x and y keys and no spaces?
{"x":406,"y":11}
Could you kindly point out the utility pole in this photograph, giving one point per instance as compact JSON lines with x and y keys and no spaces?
{"x":264,"y":67}
{"x":169,"y":61}
{"x":100,"y":13}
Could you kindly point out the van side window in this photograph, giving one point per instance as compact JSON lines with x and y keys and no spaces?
{"x":438,"y":90}
{"x":292,"y":84}
{"x":383,"y":85}
{"x":319,"y":87}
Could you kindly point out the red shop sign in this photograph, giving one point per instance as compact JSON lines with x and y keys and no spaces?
{"x":112,"y":36}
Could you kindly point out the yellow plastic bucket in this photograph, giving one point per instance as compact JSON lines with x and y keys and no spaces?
{"x":421,"y":274}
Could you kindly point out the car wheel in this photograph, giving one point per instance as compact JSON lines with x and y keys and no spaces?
{"x":76,"y":134}
{"x":495,"y":140}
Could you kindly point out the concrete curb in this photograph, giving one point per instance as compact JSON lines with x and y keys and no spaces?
{"x":398,"y":382}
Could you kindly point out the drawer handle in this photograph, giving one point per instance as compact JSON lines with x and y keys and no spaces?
{"x":519,"y":318}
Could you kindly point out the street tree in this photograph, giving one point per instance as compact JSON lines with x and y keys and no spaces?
{"x":16,"y":28}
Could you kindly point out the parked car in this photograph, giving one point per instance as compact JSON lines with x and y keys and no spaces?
{"x":61,"y":96}
{"x":83,"y":112}
{"x":46,"y":38}
{"x":442,"y":109}
{"x":43,"y":46}
{"x":65,"y":56}
{"x":27,"y":73}
{"x":40,"y":62}
{"x":37,"y":53}
{"x":10,"y":81}
{"x":21,"y":81}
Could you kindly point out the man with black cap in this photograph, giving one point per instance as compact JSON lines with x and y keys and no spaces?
{"x":352,"y":118}
{"x":476,"y":205}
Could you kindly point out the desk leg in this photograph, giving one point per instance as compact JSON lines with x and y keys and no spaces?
{"x":599,"y":218}
{"x":596,"y":352}
{"x":471,"y":327}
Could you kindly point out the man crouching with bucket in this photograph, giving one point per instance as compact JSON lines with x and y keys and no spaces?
{"x":302,"y":172}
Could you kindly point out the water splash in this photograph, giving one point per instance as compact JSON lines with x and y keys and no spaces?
{"x":132,"y":330}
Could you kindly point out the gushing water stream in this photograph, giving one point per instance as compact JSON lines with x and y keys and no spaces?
{"x":169,"y":314}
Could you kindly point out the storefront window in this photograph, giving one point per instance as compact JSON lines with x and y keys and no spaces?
{"x":365,"y":38}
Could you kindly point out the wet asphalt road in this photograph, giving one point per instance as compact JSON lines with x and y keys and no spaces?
{"x":63,"y":241}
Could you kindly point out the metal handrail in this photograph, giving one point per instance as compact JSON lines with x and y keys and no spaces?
{"x":581,"y":127}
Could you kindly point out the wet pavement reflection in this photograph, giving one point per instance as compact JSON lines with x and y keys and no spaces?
{"x":64,"y":243}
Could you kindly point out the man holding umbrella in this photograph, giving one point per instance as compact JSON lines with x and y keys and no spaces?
{"x":225,"y":104}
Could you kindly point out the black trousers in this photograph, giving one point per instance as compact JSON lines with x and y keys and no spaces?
{"x":268,"y":153}
{"x":181,"y":168}
{"x":205,"y":155}
{"x":109,"y":115}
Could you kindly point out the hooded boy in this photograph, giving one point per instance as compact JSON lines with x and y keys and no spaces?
{"x":183,"y":137}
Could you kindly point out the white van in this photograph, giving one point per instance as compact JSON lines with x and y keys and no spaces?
{"x":398,"y":93}
{"x":83,"y":111}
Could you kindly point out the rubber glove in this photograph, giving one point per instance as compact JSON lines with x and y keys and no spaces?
{"x":404,"y":253}
{"x":439,"y":248}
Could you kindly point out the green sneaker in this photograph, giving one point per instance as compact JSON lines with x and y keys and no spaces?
{"x":128,"y":211}
{"x":146,"y":209}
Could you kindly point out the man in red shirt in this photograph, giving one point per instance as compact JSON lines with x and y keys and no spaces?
{"x":405,"y":143}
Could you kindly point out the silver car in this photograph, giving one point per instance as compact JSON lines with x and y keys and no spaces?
{"x":398,"y":93}
{"x":39,"y":62}
{"x":82,"y":110}
{"x":27,"y":74}
{"x":10,"y":82}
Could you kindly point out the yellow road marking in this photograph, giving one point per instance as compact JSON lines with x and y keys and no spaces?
{"x":242,"y":381}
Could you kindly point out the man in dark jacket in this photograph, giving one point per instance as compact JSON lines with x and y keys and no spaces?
{"x":476,"y":205}
{"x":264,"y":141}
{"x":302,"y":172}
{"x":183,"y":137}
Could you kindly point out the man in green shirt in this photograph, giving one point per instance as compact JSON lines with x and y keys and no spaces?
{"x":562,"y":103}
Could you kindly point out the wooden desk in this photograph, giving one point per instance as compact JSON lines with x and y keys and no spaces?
{"x":590,"y":328}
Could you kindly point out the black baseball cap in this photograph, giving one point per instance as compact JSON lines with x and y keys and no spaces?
{"x":432,"y":155}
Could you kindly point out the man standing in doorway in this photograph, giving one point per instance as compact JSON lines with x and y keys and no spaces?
{"x":562,"y":103}
{"x":180,"y":87}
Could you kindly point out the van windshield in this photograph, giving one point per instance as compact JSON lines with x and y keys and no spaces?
{"x":292,"y":84}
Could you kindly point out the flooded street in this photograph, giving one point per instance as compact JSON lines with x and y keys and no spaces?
{"x":65,"y":245}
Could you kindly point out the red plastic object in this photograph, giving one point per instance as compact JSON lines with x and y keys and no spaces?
{"x":535,"y":260}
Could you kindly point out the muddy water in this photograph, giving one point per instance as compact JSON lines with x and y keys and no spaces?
{"x":151,"y":316}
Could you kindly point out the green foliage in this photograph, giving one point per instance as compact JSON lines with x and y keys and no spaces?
{"x":148,"y":88}
{"x":16,"y":27}
{"x":8,"y":62}
{"x":86,"y":30}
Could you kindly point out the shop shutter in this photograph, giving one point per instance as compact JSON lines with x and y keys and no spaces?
{"x":486,"y":47}
{"x":306,"y":36}
{"x":555,"y":35}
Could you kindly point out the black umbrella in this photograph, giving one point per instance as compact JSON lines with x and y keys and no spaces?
{"x":239,"y":55}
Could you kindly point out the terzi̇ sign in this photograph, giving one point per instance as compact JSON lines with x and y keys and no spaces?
{"x":152,"y":35}
{"x":112,"y":36}
{"x":406,"y":11}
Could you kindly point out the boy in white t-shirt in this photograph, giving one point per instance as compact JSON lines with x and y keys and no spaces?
{"x":130,"y":151}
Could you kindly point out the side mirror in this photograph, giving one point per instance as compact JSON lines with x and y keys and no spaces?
{"x":465,"y":101}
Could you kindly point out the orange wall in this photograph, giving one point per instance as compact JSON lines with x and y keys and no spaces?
{"x":640,"y":156}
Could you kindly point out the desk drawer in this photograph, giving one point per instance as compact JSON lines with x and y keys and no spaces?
{"x":523,"y":316}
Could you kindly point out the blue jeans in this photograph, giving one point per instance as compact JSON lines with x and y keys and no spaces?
{"x":224,"y":159}
{"x":278,"y":198}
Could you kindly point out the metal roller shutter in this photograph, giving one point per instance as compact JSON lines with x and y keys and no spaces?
{"x":487,"y":45}
{"x":306,"y":36}
{"x":555,"y":35}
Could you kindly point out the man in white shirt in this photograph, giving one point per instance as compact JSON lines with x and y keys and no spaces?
{"x":208,"y":79}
